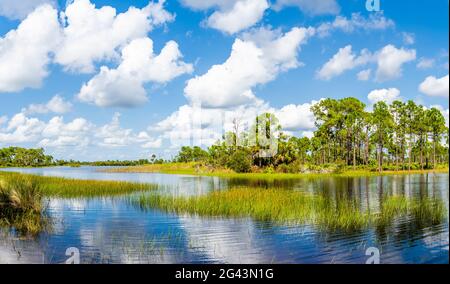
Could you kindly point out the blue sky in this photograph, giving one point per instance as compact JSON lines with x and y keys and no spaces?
{"x":88,"y":82}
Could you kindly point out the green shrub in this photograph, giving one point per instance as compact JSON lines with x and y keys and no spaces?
{"x":240,"y":161}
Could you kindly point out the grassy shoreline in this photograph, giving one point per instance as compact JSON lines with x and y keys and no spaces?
{"x":75,"y":188}
{"x":196,"y":170}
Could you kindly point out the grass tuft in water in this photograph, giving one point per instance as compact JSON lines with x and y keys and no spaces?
{"x":291,"y":207}
{"x":21,"y":204}
{"x":72,"y":188}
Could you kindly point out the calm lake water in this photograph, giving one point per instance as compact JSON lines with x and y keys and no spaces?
{"x":111,"y":230}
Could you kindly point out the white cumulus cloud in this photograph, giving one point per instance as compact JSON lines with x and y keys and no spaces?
{"x":19,"y":9}
{"x":56,"y":133}
{"x":94,"y":34}
{"x":390,"y":61}
{"x":124,"y":86}
{"x":231,"y":16}
{"x":364,"y":75}
{"x":57,"y":104}
{"x":21,"y":129}
{"x":296,"y":117}
{"x":342,"y":61}
{"x":435,"y":87}
{"x":384,"y":95}
{"x":78,"y":133}
{"x":25,"y":51}
{"x":256,"y":58}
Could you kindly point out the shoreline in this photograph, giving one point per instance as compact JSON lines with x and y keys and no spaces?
{"x":189,"y":169}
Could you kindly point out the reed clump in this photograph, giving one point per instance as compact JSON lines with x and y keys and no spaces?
{"x":291,"y":207}
{"x":21,"y":204}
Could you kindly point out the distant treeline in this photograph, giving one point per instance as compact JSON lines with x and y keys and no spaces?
{"x":23,"y":157}
{"x":399,"y":136}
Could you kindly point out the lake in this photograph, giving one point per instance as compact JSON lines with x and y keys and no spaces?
{"x":111,"y":230}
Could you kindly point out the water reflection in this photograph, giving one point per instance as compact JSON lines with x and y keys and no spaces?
{"x":110,"y":230}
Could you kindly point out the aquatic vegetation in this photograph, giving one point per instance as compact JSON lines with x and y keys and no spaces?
{"x":194,"y":168}
{"x":191,"y":168}
{"x":72,"y":188}
{"x":21,"y":204}
{"x":289,"y":207}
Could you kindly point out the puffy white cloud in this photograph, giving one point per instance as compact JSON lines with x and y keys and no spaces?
{"x":342,"y":61}
{"x":364,"y":75}
{"x":57,"y":104}
{"x":256,"y":58}
{"x":124,"y":86}
{"x":84,"y":35}
{"x":21,"y":129}
{"x":384,"y":95}
{"x":95,"y":34}
{"x":390,"y":61}
{"x":242,"y":15}
{"x":153,"y":144}
{"x":113,"y":135}
{"x":435,"y":87}
{"x":14,"y":9}
{"x":79,"y":133}
{"x":375,"y":21}
{"x":311,"y":7}
{"x":231,"y":16}
{"x":425,"y":63}
{"x":192,"y":125}
{"x":25,"y":51}
{"x":296,"y":117}
{"x":76,"y":133}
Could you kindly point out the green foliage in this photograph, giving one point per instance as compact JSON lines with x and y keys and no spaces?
{"x":240,"y":161}
{"x":194,"y":154}
{"x":396,"y":137}
{"x":21,"y":157}
{"x":293,"y":207}
{"x":21,"y":202}
{"x":72,"y":188}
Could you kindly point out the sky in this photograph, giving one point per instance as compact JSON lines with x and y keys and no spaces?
{"x":96,"y":79}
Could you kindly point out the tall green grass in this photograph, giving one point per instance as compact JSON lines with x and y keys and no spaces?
{"x":73,"y":188}
{"x":291,"y":207}
{"x":21,"y":204}
{"x":22,"y":197}
{"x":194,"y":168}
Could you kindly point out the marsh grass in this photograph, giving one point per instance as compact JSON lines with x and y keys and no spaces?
{"x":21,"y":205}
{"x":292,"y":207}
{"x":191,"y":168}
{"x":194,"y":168}
{"x":22,"y":197}
{"x":73,"y":188}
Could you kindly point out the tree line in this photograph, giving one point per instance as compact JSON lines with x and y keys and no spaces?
{"x":396,"y":136}
{"x":23,"y":157}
